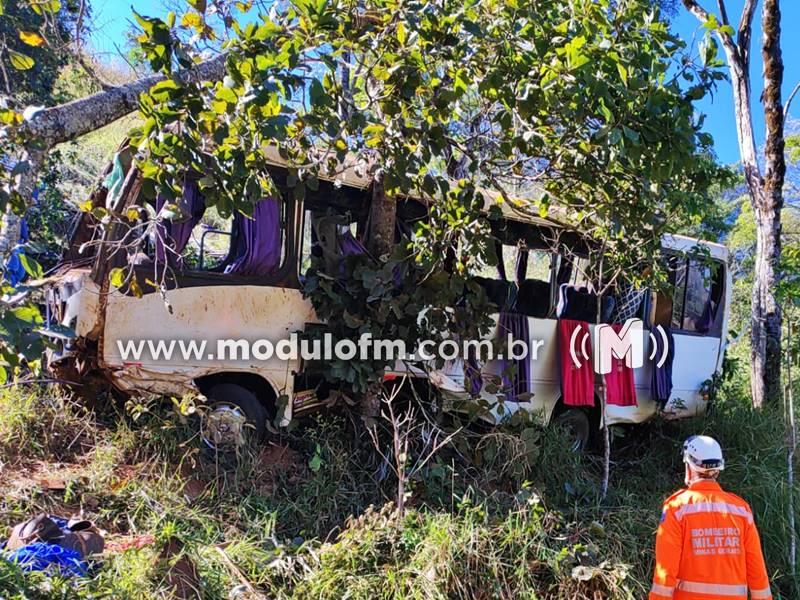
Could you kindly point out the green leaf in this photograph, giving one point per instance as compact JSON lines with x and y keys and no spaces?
{"x":164,"y":87}
{"x":43,"y":6}
{"x":317,"y":93}
{"x":623,"y":73}
{"x":401,"y":32}
{"x":10,"y":117}
{"x":21,"y":62}
{"x":192,"y":20}
{"x":32,"y":268}
{"x":227,"y":95}
{"x":630,"y":133}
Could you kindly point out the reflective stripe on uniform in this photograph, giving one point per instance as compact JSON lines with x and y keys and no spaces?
{"x":717,"y":589}
{"x":662,"y":590}
{"x":713,"y":507}
{"x":759,"y":594}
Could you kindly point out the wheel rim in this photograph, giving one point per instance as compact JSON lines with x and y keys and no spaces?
{"x":223,"y":427}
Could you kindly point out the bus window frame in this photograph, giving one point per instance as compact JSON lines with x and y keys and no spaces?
{"x":715,"y":330}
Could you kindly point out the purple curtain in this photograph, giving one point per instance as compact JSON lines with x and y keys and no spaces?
{"x":175,"y":233}
{"x":516,"y":373}
{"x":349,"y":245}
{"x":258,"y":240}
{"x":661,"y":384}
{"x":474,"y":379}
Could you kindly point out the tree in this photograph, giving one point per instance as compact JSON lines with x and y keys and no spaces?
{"x":765,"y":187}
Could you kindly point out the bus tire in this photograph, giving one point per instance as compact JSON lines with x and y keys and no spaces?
{"x":576,"y":422}
{"x":227,"y":404}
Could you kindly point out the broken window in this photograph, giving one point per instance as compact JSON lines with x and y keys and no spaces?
{"x":330,"y":236}
{"x":190,"y":237}
{"x":210,"y":243}
{"x":521,"y":281}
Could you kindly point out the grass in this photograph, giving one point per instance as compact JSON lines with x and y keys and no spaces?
{"x":506,"y":513}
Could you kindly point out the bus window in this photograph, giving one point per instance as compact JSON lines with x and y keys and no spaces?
{"x":330,"y":236}
{"x":697,"y":294}
{"x":192,"y":237}
{"x":579,"y":276}
{"x":209,"y":243}
{"x":520,"y":281}
{"x":539,"y":265}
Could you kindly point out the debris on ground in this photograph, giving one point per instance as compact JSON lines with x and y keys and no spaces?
{"x":53,"y":543}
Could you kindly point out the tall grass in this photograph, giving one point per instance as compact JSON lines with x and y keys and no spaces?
{"x":505,"y":513}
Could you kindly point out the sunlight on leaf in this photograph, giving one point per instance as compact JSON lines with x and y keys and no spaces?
{"x":31,"y":38}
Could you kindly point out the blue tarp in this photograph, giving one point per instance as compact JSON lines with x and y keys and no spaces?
{"x":40,"y":556}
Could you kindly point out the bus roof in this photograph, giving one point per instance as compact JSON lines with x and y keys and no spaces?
{"x":353,"y":175}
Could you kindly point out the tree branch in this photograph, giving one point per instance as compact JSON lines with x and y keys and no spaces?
{"x":66,"y":122}
{"x":723,"y":13}
{"x":703,"y":16}
{"x":745,"y":31}
{"x":697,"y":10}
{"x":789,"y":102}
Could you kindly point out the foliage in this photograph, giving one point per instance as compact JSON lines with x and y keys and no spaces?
{"x":408,"y":297}
{"x":69,"y":173}
{"x":476,"y":519}
{"x":33,"y":34}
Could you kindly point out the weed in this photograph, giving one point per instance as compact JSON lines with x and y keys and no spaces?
{"x":497,"y":513}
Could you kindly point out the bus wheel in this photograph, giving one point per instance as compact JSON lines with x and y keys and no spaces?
{"x":576,"y":423}
{"x":232,"y":417}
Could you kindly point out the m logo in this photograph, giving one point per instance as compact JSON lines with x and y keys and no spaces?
{"x":626,"y":344}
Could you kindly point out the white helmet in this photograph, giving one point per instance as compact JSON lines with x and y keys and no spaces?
{"x":703,"y":454}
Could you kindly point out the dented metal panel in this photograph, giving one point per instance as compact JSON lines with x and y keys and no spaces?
{"x":202,"y":314}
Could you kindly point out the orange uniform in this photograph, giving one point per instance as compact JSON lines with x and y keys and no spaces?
{"x":707,"y":547}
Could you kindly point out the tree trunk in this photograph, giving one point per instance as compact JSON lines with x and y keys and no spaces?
{"x":68,"y":121}
{"x":766,"y":332}
{"x":380,"y":241}
{"x":382,"y":216}
{"x":766,"y":193}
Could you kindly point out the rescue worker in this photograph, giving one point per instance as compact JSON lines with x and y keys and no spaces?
{"x":707,"y":544}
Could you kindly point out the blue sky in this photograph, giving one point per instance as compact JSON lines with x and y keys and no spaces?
{"x":112,"y":20}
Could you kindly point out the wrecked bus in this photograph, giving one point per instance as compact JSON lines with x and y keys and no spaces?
{"x":241,"y":278}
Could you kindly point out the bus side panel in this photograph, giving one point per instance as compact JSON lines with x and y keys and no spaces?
{"x":545,"y":381}
{"x":201,"y":314}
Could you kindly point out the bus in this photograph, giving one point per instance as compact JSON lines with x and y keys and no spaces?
{"x":241,"y":278}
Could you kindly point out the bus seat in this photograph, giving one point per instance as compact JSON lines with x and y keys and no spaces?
{"x":501,"y":293}
{"x":534,"y":298}
{"x":581,"y":305}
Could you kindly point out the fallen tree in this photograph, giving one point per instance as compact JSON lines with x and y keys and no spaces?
{"x":43,"y":128}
